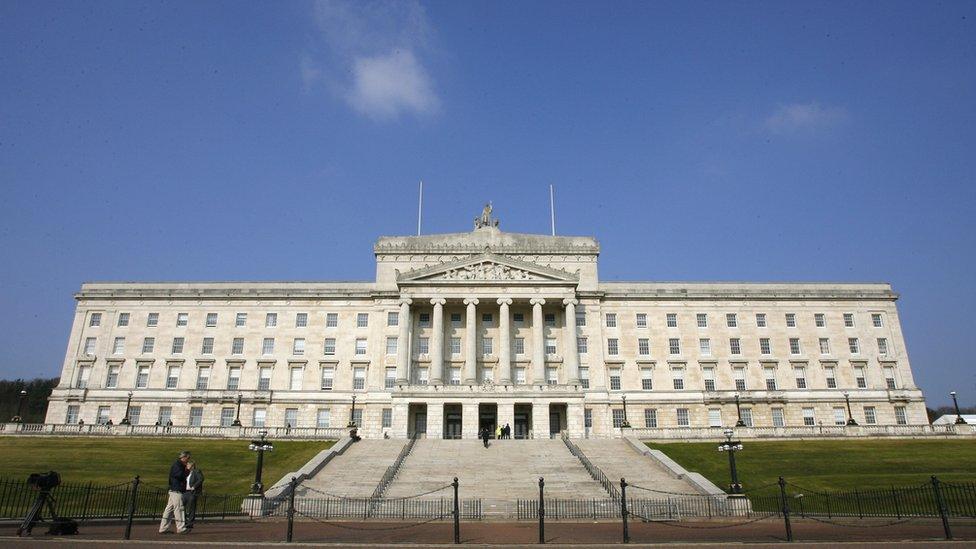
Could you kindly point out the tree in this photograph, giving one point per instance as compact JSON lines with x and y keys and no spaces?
{"x":35,"y":408}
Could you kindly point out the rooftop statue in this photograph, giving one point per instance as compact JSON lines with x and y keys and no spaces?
{"x":485,"y":220}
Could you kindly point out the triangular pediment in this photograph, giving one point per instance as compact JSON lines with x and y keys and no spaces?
{"x":488,"y":268}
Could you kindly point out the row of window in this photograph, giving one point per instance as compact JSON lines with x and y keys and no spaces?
{"x":683,"y":418}
{"x":735,"y":346}
{"x":732,"y":320}
{"x":323,"y":417}
{"x":240,"y":320}
{"x":739,"y":378}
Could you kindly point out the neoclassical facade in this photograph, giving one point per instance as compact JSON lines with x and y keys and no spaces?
{"x":470,"y":330}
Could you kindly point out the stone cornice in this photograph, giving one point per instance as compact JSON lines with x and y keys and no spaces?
{"x":753,"y":291}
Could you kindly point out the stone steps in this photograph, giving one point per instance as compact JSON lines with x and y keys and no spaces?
{"x":356,"y":472}
{"x":616,"y":458}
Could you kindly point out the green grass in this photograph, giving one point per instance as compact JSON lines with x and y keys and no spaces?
{"x":831,"y":465}
{"x":228,"y":465}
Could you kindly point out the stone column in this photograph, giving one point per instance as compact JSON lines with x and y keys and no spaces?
{"x":437,"y":343}
{"x":471,"y":343}
{"x":571,"y":356}
{"x":538,"y":342}
{"x":403,"y":344}
{"x":504,"y":342}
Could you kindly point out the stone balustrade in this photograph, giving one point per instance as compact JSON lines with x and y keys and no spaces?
{"x":176,"y":431}
{"x":800,"y":432}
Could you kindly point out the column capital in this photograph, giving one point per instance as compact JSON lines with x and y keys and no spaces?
{"x":504,"y":301}
{"x":438,"y":301}
{"x":471,"y":301}
{"x":537,"y":301}
{"x":570,"y":301}
{"x":406,"y":301}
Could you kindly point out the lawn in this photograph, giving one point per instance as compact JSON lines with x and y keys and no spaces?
{"x":228,"y":465}
{"x":831,"y":464}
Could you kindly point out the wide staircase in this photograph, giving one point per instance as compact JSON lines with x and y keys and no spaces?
{"x":618,"y":459}
{"x":354,"y":473}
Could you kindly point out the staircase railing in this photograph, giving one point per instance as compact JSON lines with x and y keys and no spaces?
{"x":393,"y":470}
{"x":594,"y":471}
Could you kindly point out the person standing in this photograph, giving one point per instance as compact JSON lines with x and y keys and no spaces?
{"x":174,"y":505}
{"x":485,"y":436}
{"x":498,"y":432}
{"x":194,"y":487}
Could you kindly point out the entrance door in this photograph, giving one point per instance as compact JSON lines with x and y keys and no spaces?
{"x":452,"y":421}
{"x":555,"y":423}
{"x":488,"y":418}
{"x":523,"y":421}
{"x":420,"y":424}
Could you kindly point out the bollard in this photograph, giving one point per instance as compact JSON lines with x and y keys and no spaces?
{"x":542,"y":511}
{"x":132,"y":508}
{"x":457,"y":513}
{"x":942,"y":509}
{"x":291,"y":508}
{"x":786,"y":509}
{"x":623,"y":508}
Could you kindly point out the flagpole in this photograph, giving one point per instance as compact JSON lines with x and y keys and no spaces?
{"x":420,"y":206}
{"x":552,"y":210}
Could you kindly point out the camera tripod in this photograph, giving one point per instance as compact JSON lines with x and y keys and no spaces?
{"x":35,"y":514}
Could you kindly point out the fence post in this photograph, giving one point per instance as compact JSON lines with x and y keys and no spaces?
{"x":942,"y":509}
{"x":623,"y":508}
{"x":894,"y":494}
{"x":84,"y":506}
{"x":291,"y":508}
{"x":786,"y":509}
{"x":857,"y":501}
{"x":542,"y":511}
{"x":827,"y":499}
{"x":132,"y":508}
{"x":457,"y":513}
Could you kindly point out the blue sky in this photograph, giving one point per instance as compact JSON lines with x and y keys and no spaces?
{"x":274,"y":141}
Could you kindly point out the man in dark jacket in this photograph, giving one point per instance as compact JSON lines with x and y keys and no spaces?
{"x":485,"y":435}
{"x":174,"y":505}
{"x":194,"y":487}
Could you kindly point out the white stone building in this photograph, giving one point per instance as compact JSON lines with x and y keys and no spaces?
{"x":470,"y":330}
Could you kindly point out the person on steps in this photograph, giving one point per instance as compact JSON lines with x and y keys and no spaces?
{"x":485,"y":436}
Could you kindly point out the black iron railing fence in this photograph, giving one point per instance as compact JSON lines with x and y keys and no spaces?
{"x":440,"y":508}
{"x":594,"y":471}
{"x":392,"y":470}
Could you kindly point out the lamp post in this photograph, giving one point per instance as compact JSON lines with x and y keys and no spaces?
{"x":959,"y":419}
{"x":352,"y":414}
{"x":850,"y":416}
{"x":260,"y":446}
{"x":237,"y":418}
{"x":128,"y":406}
{"x":625,"y":424}
{"x":732,"y":446}
{"x":738,"y":413}
{"x":23,"y":396}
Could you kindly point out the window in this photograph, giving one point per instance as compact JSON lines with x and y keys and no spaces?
{"x":770,"y":374}
{"x":647,"y":379}
{"x":859,"y":377}
{"x":118,"y":346}
{"x":267,"y":346}
{"x":241,"y":320}
{"x":731,"y":320}
{"x":178,"y":345}
{"x":486,"y":346}
{"x":853,"y":345}
{"x":876,"y":320}
{"x":456,"y":319}
{"x":800,"y":373}
{"x":207,"y":347}
{"x":203,"y":378}
{"x":165,"y":415}
{"x":519,"y":345}
{"x":95,"y":320}
{"x":487,"y":375}
{"x":264,"y":378}
{"x":882,"y":346}
{"x":234,"y":378}
{"x":840,"y":418}
{"x":237,"y":346}
{"x":152,"y":320}
{"x":423,"y":345}
{"x":889,"y":374}
{"x":123,"y":320}
{"x":708,"y":374}
{"x":358,"y":379}
{"x":705,"y":346}
{"x":739,"y":374}
{"x":391,"y":345}
{"x":454,"y":375}
{"x":779,"y":419}
{"x":819,"y":320}
{"x":142,"y":377}
{"x":824,"y":346}
{"x":790,"y":320}
{"x":550,"y":345}
{"x":323,"y":418}
{"x":295,"y":381}
{"x":794,"y":345}
{"x":581,"y":345}
{"x":552,"y":375}
{"x":584,"y":378}
{"x":270,"y":320}
{"x":258,"y":417}
{"x":747,"y":416}
{"x":650,"y":418}
{"x":760,"y":320}
{"x":831,"y":377}
{"x":423,"y":320}
{"x":870,"y":416}
{"x":211,"y":320}
{"x":611,"y":320}
{"x":172,"y":377}
{"x":613,"y":346}
{"x":735,"y":346}
{"x":580,"y":319}
{"x":682,"y":415}
{"x":486,"y":318}
{"x":291,"y":417}
{"x":102,"y":416}
{"x":112,"y":379}
{"x":362,"y":320}
{"x":643,"y":346}
{"x":389,"y":380}
{"x":329,"y":346}
{"x":674,"y":346}
{"x":849,"y":320}
{"x":226,"y":417}
{"x":615,"y":379}
{"x":90,"y":346}
{"x":550,"y":319}
{"x":182,"y":319}
{"x":135,"y":412}
{"x":423,"y":376}
{"x":702,"y":320}
{"x":455,"y":343}
{"x":196,"y":416}
{"x":618,"y":418}
{"x":331,"y":320}
{"x":393,"y":318}
{"x":360,"y":346}
{"x":301,"y":320}
{"x":678,"y":378}
{"x":328,"y":378}
{"x":671,"y":319}
{"x":641,"y":320}
{"x":900,"y":417}
{"x":714,"y":417}
{"x":387,"y":420}
{"x":764,"y":347}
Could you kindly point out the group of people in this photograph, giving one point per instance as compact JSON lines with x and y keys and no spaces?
{"x":500,"y":432}
{"x":185,"y":487}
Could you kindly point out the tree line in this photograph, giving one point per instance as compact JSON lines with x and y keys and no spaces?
{"x":35,"y":407}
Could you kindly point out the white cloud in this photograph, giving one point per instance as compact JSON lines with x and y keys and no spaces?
{"x":803,"y":118}
{"x":370,"y":55}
